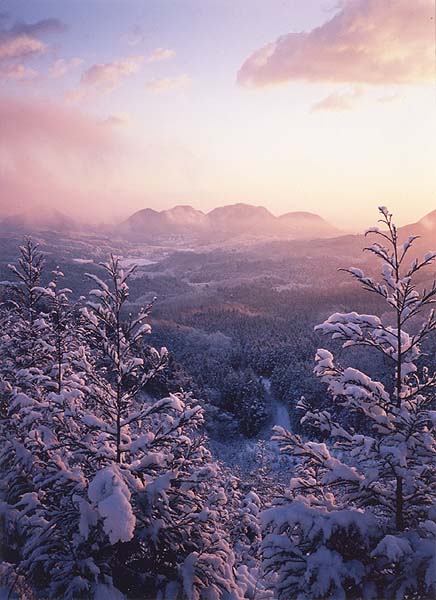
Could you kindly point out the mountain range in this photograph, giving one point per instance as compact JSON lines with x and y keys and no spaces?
{"x":228,"y":221}
{"x":231,"y":221}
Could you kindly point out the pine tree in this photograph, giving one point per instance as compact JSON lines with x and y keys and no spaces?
{"x":21,"y":373}
{"x":359,"y":519}
{"x":23,"y":356}
{"x":38,"y":457}
{"x":106,"y":489}
{"x":154,"y":495}
{"x":62,"y":333}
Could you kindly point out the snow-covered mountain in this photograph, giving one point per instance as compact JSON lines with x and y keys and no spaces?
{"x":232,"y":220}
{"x":180,"y":219}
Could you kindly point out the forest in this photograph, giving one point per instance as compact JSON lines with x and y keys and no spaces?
{"x":116,"y":410}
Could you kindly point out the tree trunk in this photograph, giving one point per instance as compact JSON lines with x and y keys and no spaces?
{"x":399,"y":519}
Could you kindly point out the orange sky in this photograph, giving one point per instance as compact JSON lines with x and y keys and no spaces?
{"x":292,"y":105}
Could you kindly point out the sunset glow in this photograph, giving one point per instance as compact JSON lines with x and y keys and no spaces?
{"x":107,"y":107}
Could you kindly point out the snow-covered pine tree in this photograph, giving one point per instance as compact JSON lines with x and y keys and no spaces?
{"x":62,"y":334}
{"x":359,"y":519}
{"x":23,"y":356}
{"x":104,"y":488}
{"x":244,"y":525}
{"x":39,"y":435}
{"x":153,"y":505}
{"x":244,"y":395}
{"x":20,"y":372}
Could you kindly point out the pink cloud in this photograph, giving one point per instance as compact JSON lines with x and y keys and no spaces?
{"x":19,"y":47}
{"x":160,"y":54}
{"x":108,"y":76}
{"x":36,"y":122}
{"x":367,"y":41}
{"x":338,"y":101}
{"x":85,"y":166}
{"x":62,"y":66}
{"x":18,"y":72}
{"x":45,"y":153}
{"x":168,"y":84}
{"x":21,"y":40}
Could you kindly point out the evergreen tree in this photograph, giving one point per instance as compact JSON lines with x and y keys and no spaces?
{"x":62,"y":333}
{"x":358,"y":519}
{"x":23,"y":356}
{"x":154,"y":495}
{"x":105,"y":491}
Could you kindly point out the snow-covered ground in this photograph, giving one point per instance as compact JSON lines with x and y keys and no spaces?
{"x":83,"y":261}
{"x":279,"y":412}
{"x":248,"y":454}
{"x":136,"y":260}
{"x":282,"y":416}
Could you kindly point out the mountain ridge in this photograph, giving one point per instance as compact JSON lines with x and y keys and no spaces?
{"x":228,"y":221}
{"x":232,"y":219}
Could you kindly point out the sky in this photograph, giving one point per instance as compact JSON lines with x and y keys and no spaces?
{"x":110,"y":106}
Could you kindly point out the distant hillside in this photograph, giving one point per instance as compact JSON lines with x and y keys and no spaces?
{"x":426,"y":228}
{"x":232,"y":220}
{"x":305,"y":224}
{"x":180,"y":219}
{"x":38,"y":218}
{"x":242,"y":219}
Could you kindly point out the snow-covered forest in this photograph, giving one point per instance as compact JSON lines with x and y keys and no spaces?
{"x":111,"y":487}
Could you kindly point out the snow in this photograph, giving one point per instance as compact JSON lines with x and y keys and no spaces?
{"x":282,"y":416}
{"x":136,"y":261}
{"x":266,"y":384}
{"x":153,"y":459}
{"x":330,"y":530}
{"x":188,"y":573}
{"x":88,"y":516}
{"x":110,"y":494}
{"x":325,"y":570}
{"x":93,"y":421}
{"x":83,"y":261}
{"x":393,"y":548}
{"x":103,"y":591}
{"x":251,"y":583}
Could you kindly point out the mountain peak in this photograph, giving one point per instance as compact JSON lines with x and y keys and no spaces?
{"x":429,"y":221}
{"x":425,"y":228}
{"x":183,"y":209}
{"x":301,"y":215}
{"x":229,"y":220}
{"x":240,"y":209}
